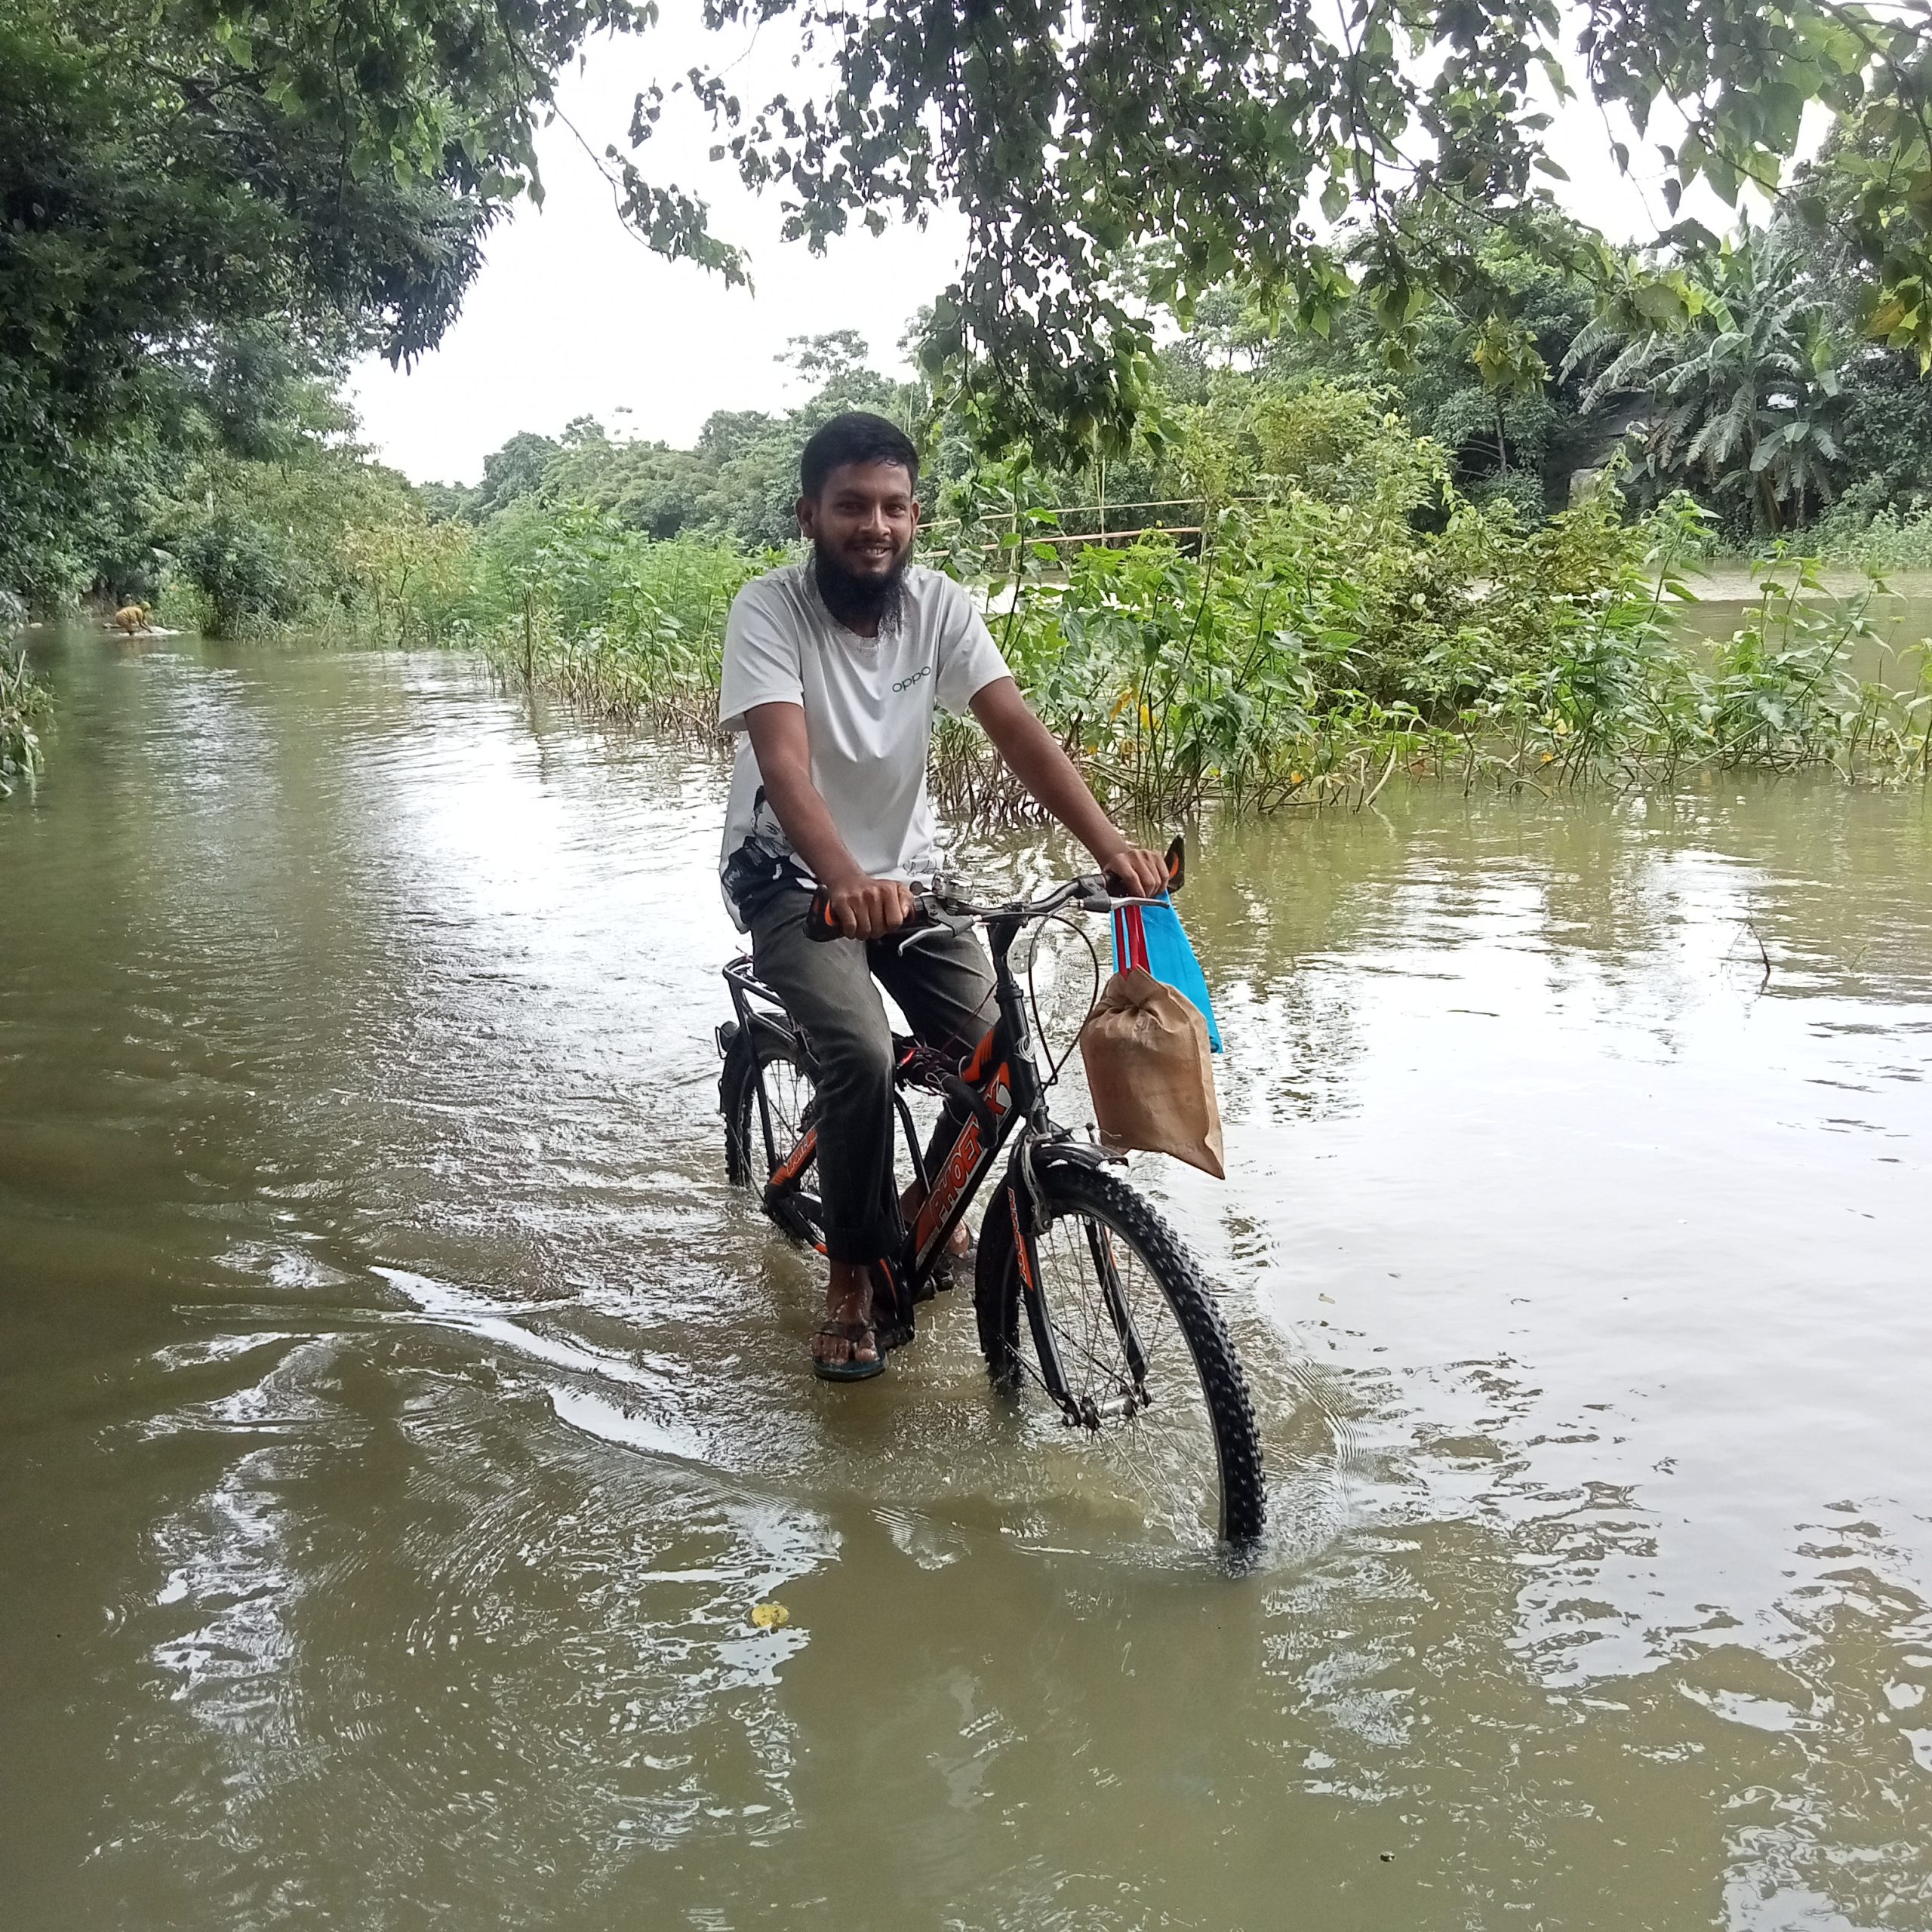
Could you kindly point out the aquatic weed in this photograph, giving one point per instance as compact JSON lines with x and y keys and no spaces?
{"x":24,"y":701}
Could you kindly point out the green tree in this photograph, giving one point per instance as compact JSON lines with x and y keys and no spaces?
{"x":1068,"y":133}
{"x":173,"y":170}
{"x":647,"y":486}
{"x":170,"y":173}
{"x":1885,"y":430}
{"x":741,"y":480}
{"x":1485,"y":376}
{"x":254,"y":541}
{"x":516,"y":469}
{"x":1746,"y":399}
{"x":1481,"y":371}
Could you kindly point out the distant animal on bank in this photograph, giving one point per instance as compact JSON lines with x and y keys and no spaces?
{"x":133,"y":617}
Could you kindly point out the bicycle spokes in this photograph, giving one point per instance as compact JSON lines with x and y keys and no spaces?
{"x":1111,"y":1338}
{"x":1106,"y":1267}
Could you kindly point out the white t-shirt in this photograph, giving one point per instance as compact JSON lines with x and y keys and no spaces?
{"x":869,"y":704}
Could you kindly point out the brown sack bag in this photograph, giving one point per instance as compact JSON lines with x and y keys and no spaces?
{"x":1149,"y":1070}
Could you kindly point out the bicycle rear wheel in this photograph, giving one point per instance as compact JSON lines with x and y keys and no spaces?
{"x":1157,"y":1414}
{"x":791,"y":1092}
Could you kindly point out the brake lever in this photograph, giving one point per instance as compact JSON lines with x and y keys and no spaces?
{"x":923,"y":935}
{"x":934,"y":918}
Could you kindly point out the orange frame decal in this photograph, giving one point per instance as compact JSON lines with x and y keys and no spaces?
{"x":1020,"y":1247}
{"x":795,"y":1163}
{"x":974,"y":1070}
{"x":964,"y":1163}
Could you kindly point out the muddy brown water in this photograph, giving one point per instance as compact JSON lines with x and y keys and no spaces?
{"x":402,"y":1418}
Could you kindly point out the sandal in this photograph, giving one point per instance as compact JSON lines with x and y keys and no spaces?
{"x":853,"y":1368}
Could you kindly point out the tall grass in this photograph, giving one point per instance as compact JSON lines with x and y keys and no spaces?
{"x":24,"y":701}
{"x":571,"y":601}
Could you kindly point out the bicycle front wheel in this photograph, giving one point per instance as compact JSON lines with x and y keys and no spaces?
{"x":1152,"y":1404}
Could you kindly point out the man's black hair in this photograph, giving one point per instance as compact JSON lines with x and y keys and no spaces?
{"x":857,"y":436}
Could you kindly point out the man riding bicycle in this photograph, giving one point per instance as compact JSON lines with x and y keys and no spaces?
{"x":832,"y":669}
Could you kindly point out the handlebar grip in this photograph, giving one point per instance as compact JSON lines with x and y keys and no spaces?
{"x":1176,"y":870}
{"x":818,"y":917}
{"x":819,"y":924}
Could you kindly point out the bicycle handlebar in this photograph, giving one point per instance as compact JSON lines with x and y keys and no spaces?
{"x":934,"y":906}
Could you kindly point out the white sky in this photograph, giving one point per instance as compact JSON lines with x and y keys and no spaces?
{"x":571,"y":316}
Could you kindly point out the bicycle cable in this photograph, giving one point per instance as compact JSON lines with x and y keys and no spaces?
{"x":1033,"y":999}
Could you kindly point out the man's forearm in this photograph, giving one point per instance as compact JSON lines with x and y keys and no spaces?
{"x":1035,"y":757}
{"x":784,"y":768}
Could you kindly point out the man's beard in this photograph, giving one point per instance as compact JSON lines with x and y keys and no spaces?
{"x":854,"y":600}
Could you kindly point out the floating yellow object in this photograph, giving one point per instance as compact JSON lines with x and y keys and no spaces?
{"x":770,"y":1616}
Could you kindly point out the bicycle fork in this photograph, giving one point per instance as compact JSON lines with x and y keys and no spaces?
{"x":1076,"y":1411}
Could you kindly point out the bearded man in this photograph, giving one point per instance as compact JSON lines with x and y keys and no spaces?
{"x":833,"y":669}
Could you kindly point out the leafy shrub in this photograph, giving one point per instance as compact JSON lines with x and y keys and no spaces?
{"x":1301,"y":650}
{"x":239,"y":571}
{"x":1890,"y":539}
{"x":24,"y":701}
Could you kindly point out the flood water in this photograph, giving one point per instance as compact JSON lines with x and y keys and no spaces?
{"x":402,"y":1418}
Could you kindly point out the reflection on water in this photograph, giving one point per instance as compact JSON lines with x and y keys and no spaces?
{"x":403,"y":1419}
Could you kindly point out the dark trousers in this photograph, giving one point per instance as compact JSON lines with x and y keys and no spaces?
{"x":945,"y":986}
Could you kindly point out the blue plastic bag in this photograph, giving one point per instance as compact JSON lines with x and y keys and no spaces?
{"x":1148,"y":934}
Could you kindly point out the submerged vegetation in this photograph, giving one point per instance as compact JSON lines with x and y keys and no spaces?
{"x":23,"y":702}
{"x":1310,"y":654}
{"x":1892,"y":540}
{"x":571,"y":601}
{"x":1289,"y":599}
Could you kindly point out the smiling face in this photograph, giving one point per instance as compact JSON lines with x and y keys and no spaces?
{"x":863,"y":521}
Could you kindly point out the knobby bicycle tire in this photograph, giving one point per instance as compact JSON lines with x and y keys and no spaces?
{"x":745,"y":1163}
{"x":1076,"y":1191}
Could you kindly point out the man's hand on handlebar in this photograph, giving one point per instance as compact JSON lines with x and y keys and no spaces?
{"x":865,"y":909}
{"x":1133,"y":872}
{"x":861,"y":908}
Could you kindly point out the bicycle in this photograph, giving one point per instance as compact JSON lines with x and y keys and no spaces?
{"x":1126,"y":1341}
